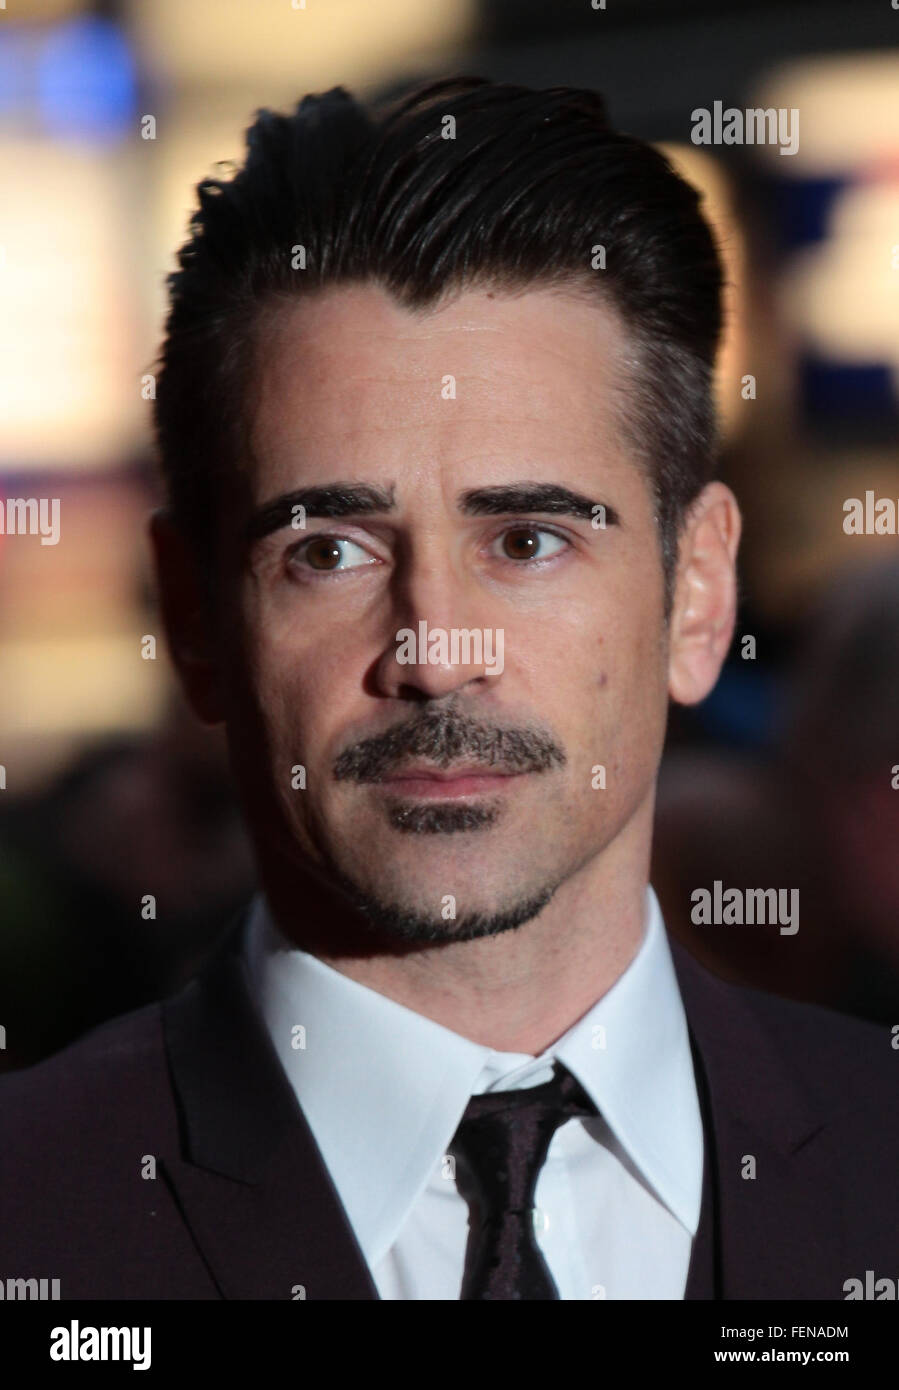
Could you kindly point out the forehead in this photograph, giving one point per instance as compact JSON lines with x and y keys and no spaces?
{"x":350,"y":378}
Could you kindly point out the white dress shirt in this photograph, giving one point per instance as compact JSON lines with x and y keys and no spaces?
{"x":384,"y":1088}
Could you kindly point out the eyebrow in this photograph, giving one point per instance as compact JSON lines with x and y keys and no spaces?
{"x":361,"y":499}
{"x":328,"y":500}
{"x":551,"y":498}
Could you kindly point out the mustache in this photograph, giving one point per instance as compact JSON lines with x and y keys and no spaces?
{"x":445,"y":737}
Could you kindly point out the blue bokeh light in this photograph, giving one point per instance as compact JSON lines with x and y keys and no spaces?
{"x":86,"y":81}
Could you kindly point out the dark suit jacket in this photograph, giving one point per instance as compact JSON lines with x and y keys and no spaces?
{"x":242,"y":1207}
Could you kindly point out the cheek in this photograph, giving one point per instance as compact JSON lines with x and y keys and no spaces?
{"x":268,"y":694}
{"x":304,"y":696}
{"x":625,"y":681}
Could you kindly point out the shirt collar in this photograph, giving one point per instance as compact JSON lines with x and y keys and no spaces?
{"x":383,"y":1087}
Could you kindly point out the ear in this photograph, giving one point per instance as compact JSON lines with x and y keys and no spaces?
{"x":705,"y":600}
{"x":187,"y":617}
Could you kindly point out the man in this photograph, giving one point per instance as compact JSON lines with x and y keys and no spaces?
{"x":442,"y":542}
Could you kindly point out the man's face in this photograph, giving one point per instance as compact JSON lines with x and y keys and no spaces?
{"x":559,"y":721}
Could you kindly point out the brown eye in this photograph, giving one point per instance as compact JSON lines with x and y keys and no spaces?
{"x":531,"y":543}
{"x":521,"y":544}
{"x":330,"y":555}
{"x":323,"y":554}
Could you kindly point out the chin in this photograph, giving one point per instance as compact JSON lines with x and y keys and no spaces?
{"x":443,"y":918}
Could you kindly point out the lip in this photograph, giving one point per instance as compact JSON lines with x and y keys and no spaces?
{"x":444,"y":783}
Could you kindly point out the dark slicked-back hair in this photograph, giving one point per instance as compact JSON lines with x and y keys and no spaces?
{"x":530,"y":185}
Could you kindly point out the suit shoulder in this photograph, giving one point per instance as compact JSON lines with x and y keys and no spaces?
{"x":833,"y":1052}
{"x":100,"y":1082}
{"x":86,"y":1138}
{"x":826,"y":1027}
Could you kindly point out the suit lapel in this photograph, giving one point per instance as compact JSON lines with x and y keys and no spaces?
{"x":250,"y":1181}
{"x":257,"y":1197}
{"x":771,"y":1240}
{"x":704,"y":1275}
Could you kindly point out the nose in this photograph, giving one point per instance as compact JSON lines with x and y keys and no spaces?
{"x":440,"y":644}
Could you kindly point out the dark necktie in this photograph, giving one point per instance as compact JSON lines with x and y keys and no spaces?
{"x":500,"y":1147}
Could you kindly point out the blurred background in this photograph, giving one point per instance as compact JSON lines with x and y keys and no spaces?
{"x":110,"y":113}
